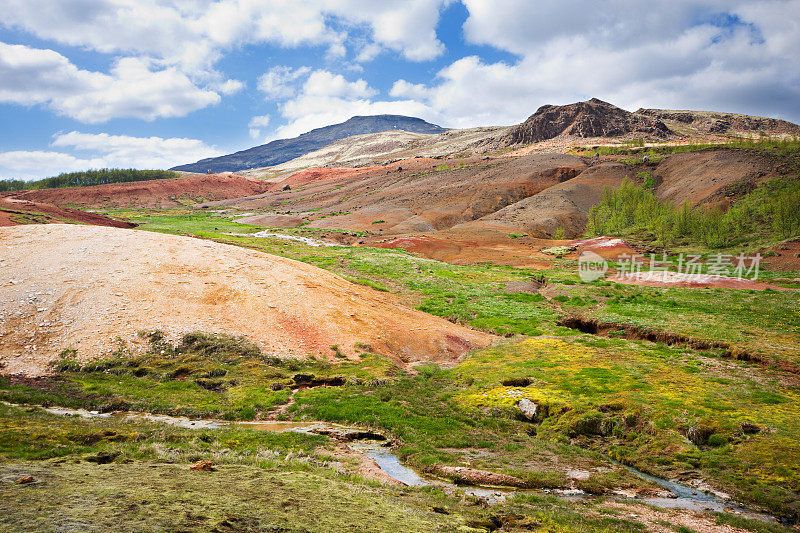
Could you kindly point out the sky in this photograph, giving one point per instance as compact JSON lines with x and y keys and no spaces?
{"x":156,"y":83}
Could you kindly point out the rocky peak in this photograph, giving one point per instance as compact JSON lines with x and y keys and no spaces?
{"x":593,"y":118}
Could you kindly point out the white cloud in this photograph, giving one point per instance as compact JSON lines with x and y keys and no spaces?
{"x":133,"y":89}
{"x":404,"y":89}
{"x":325,"y":98}
{"x":229,"y":87}
{"x":39,"y":164}
{"x":165,"y":51}
{"x":137,"y":152}
{"x":280,"y":82}
{"x":193,"y":33}
{"x":721,"y":55}
{"x":325,"y":83}
{"x":255,"y":125}
{"x":104,"y":150}
{"x":368,"y":52}
{"x":405,"y":26}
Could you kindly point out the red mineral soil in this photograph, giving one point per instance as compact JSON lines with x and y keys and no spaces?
{"x":91,"y":285}
{"x":675,"y":279}
{"x":710,"y":176}
{"x":170,"y":192}
{"x":605,"y":247}
{"x":14,"y":211}
{"x":785,"y":257}
{"x":460,"y":250}
{"x":410,"y":196}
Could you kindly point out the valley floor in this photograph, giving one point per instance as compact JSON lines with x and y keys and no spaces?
{"x":720,"y":419}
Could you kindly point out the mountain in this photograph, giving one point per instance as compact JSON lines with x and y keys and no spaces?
{"x":593,"y":118}
{"x":282,"y":150}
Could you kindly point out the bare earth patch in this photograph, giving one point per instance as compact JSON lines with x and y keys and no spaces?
{"x":81,"y":287}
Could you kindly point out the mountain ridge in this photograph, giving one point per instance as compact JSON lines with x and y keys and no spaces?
{"x":282,"y":150}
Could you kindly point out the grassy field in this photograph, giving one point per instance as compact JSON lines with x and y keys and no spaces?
{"x":673,"y":411}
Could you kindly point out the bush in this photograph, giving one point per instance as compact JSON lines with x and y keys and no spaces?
{"x":770,"y":211}
{"x":225,"y":348}
{"x":717,"y":440}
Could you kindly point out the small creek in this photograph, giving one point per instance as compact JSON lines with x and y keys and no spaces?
{"x":305,"y":240}
{"x":682,"y":496}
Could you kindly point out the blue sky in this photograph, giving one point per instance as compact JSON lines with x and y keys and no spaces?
{"x":154,"y":83}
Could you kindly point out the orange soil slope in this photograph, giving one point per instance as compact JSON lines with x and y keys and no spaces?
{"x":89,"y":285}
{"x":708,"y":176}
{"x":152,"y":193}
{"x":14,"y":211}
{"x":412,"y":195}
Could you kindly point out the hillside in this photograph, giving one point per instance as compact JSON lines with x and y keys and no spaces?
{"x":170,"y":192}
{"x":710,"y":123}
{"x":283,"y":150}
{"x":376,"y":148}
{"x":180,"y":285}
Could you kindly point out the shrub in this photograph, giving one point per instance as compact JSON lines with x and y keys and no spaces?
{"x":770,"y":211}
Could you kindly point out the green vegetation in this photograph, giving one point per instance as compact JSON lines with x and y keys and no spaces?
{"x":113,"y":475}
{"x":656,"y":153}
{"x":87,"y":178}
{"x":642,"y":404}
{"x":769,"y":213}
{"x":671,"y":411}
{"x":202,"y":376}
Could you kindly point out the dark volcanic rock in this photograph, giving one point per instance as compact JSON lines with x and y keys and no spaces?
{"x":283,"y":150}
{"x":594,"y":118}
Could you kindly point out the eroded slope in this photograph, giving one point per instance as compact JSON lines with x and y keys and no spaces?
{"x":89,"y":285}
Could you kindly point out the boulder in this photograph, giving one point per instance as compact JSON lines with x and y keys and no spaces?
{"x":699,"y":434}
{"x":528,"y":408}
{"x":471,"y":476}
{"x":206,"y":466}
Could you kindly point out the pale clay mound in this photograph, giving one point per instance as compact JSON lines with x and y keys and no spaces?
{"x":69,"y":286}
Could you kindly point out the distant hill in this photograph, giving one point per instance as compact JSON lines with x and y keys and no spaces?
{"x":593,"y":118}
{"x":282,"y":150}
{"x":711,"y":122}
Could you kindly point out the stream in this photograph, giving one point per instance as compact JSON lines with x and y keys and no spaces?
{"x":305,"y":240}
{"x":683,"y":496}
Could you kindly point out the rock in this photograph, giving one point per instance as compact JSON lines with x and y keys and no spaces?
{"x":277,"y":386}
{"x":699,"y":434}
{"x":748,"y":428}
{"x":346,"y":434}
{"x":286,"y":188}
{"x":206,"y":466}
{"x":471,"y":476}
{"x":24,"y":480}
{"x":103,"y":458}
{"x":528,"y":408}
{"x":593,"y":118}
